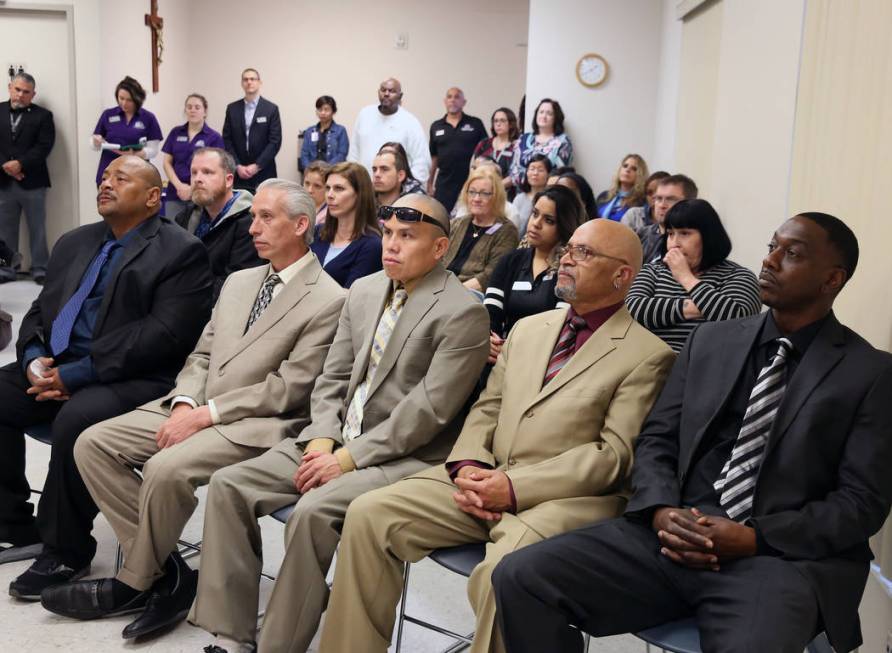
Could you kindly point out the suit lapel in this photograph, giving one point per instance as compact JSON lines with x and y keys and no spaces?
{"x":133,"y":249}
{"x":294,"y":291}
{"x":423,"y":297}
{"x":823,"y":354}
{"x":729,"y":358}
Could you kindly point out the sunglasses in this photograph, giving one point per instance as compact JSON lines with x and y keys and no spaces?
{"x":408,"y":214}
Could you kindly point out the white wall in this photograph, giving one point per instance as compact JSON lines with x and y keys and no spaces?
{"x":346,"y":48}
{"x":667,"y":90}
{"x":618,"y":117}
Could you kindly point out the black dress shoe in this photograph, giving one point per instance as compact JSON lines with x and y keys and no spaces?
{"x":48,"y":570}
{"x":90,"y":599}
{"x":171,"y":597}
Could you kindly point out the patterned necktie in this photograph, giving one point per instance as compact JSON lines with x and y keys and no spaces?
{"x":263,"y":299}
{"x":737,"y":481}
{"x":353,"y":421}
{"x":563,"y":350}
{"x":64,"y":322}
{"x":204,"y":226}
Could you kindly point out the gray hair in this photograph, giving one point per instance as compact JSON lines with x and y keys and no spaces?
{"x":296,"y":201}
{"x":26,"y":77}
{"x":226,"y":159}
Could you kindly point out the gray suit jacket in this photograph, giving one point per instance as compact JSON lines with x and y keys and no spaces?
{"x":261,"y":380}
{"x":432,"y":361}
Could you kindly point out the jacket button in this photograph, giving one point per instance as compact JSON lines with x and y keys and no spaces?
{"x":529,"y":414}
{"x":512,"y":462}
{"x":220,"y":372}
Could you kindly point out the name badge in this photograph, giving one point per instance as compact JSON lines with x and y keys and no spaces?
{"x":522,"y":285}
{"x":261,"y":119}
{"x":314,"y":136}
{"x":182,"y":139}
{"x":199,"y":143}
{"x":440,"y":132}
{"x":138,"y":125}
{"x":114,"y":118}
{"x":467,"y":128}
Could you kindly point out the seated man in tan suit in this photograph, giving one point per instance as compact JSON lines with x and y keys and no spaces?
{"x":410,"y":345}
{"x":546,"y":448}
{"x":244,"y":388}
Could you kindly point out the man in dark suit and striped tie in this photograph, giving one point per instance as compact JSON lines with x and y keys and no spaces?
{"x":760,"y":474}
{"x":124,"y":302}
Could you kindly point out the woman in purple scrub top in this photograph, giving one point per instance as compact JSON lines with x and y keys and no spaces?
{"x":178,"y":148}
{"x":129,"y":127}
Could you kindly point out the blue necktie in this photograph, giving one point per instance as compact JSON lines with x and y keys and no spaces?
{"x":64,"y":322}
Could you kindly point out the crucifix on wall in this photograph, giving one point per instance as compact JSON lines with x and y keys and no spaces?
{"x":155,"y":23}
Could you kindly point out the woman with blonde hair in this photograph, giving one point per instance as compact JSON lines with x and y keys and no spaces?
{"x":481,"y":237}
{"x":629,"y":188}
{"x":348,"y":243}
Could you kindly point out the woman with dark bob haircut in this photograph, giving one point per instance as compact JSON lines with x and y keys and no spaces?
{"x":523,"y":281}
{"x":694,"y":281}
{"x":326,"y":140}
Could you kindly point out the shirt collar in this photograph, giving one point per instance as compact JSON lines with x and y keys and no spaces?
{"x":224,"y":210}
{"x":594,"y":319}
{"x":801,"y":339}
{"x":288,"y":273}
{"x":252,"y":104}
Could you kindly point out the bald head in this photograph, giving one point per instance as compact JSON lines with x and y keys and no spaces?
{"x":427,"y":205}
{"x":390,"y":93}
{"x":599,"y":266}
{"x":130,"y":190}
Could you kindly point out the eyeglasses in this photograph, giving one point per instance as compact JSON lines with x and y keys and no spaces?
{"x":581,"y":253}
{"x":485,"y":194}
{"x":408,"y":214}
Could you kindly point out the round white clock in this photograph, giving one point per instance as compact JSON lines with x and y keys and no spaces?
{"x":591,"y":70}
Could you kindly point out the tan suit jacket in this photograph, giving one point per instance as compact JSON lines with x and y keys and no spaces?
{"x":269,"y":371}
{"x":434,"y":357}
{"x":567,"y":447}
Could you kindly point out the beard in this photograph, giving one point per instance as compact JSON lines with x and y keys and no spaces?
{"x":566,"y":292}
{"x":206,"y":196}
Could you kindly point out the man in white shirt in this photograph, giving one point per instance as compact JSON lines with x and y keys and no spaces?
{"x":388,"y":121}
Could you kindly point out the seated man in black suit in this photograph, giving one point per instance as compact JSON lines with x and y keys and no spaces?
{"x":219,"y":217}
{"x":252,"y":132}
{"x":124,"y":303}
{"x":760,"y":474}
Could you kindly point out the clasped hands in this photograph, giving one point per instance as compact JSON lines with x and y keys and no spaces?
{"x":47,"y":386}
{"x":14,"y":169}
{"x":316,"y":469}
{"x":248,"y":171}
{"x":692,"y":539}
{"x":483,"y":493}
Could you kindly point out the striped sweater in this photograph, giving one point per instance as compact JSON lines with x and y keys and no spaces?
{"x":726,"y":291}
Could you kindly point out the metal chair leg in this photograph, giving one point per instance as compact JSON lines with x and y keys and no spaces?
{"x":402,"y":617}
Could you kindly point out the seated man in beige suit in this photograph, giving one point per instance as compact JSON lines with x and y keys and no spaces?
{"x":410,"y":345}
{"x":244,"y":388}
{"x":546,"y":448}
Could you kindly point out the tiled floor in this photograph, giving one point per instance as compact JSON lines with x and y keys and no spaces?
{"x":435,"y":594}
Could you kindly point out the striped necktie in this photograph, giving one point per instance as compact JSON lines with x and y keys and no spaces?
{"x":737,"y":481}
{"x":353,"y":421}
{"x":64,"y":322}
{"x":563,"y":350}
{"x":263,"y":299}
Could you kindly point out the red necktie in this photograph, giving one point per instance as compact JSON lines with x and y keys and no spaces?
{"x":563,"y":350}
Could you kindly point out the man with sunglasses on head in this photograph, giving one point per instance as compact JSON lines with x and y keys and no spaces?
{"x":546,"y":448}
{"x":409,"y":347}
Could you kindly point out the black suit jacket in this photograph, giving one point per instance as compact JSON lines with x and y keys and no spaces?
{"x":265,"y":139}
{"x":31,"y":147}
{"x":825,"y":484}
{"x":157,"y":301}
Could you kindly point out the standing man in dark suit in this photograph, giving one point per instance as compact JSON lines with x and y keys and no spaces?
{"x":124,"y":303}
{"x":252,"y":132}
{"x":759,"y":476}
{"x":27,"y":134}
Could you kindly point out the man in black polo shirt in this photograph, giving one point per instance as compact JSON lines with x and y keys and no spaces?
{"x":452,"y":142}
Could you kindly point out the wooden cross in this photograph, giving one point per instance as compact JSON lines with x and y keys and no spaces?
{"x":155,"y":23}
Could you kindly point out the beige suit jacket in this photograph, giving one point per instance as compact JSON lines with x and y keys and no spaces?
{"x":434,"y":357}
{"x":567,"y":447}
{"x":261,"y":380}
